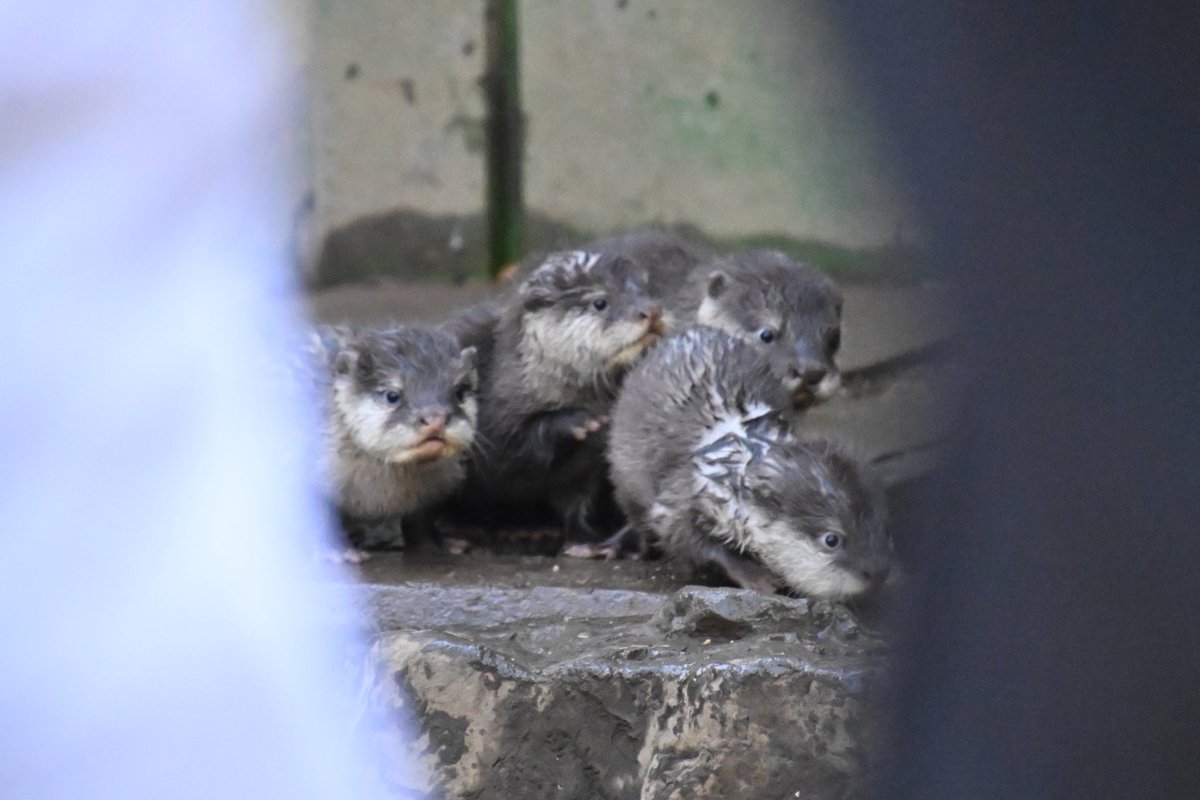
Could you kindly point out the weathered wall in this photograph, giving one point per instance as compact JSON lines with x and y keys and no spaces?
{"x":740,"y":118}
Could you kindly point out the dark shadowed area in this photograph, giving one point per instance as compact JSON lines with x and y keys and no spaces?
{"x":1055,"y":643}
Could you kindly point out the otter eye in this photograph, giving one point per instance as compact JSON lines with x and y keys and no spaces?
{"x":834,"y":341}
{"x":392,"y":397}
{"x":767,"y":335}
{"x":462,"y":391}
{"x":831,"y":541}
{"x":599,"y":304}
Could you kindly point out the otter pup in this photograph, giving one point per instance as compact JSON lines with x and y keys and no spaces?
{"x":703,"y":458}
{"x":400,"y":415}
{"x":568,"y":334}
{"x":760,"y":295}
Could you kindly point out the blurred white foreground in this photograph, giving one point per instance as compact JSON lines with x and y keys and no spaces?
{"x":157,"y":606}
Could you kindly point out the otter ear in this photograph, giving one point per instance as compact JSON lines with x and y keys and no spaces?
{"x":718,"y":282}
{"x":349,"y":359}
{"x":535,"y":296}
{"x":345,"y":361}
{"x":469,"y":356}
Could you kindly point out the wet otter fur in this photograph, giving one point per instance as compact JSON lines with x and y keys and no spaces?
{"x":760,"y":295}
{"x":704,"y":459}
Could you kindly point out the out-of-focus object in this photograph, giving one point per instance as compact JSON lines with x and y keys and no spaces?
{"x":1055,"y":644}
{"x":161,"y":633}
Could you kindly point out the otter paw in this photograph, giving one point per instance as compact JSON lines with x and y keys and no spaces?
{"x":344,"y":555}
{"x":588,"y":427}
{"x":594,"y":551}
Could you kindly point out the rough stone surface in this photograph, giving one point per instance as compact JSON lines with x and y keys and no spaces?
{"x":585,"y":693}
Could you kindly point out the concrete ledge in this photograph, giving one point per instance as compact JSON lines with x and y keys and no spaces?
{"x":717,"y":693}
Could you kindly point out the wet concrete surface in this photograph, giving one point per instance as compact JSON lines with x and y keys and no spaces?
{"x":535,"y":676}
{"x":532,"y":677}
{"x":431,"y":565}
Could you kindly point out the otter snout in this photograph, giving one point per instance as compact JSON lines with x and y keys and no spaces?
{"x":805,"y":377}
{"x":809,"y":377}
{"x":812,"y":380}
{"x":432,"y":421}
{"x":652,"y":315}
{"x":876,"y":574}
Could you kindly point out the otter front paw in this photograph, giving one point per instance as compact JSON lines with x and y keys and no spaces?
{"x":588,"y":427}
{"x":592,"y":551}
{"x":577,"y":424}
{"x":343,"y":555}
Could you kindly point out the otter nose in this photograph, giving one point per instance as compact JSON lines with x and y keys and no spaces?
{"x":876,"y":573}
{"x":651,"y":313}
{"x":814,"y":375}
{"x":433,"y":420}
{"x":809,"y":374}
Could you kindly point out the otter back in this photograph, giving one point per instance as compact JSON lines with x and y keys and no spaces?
{"x":703,"y":458}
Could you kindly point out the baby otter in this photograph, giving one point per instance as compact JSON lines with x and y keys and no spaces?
{"x":703,"y":458}
{"x":400,"y":416}
{"x":568,"y":334}
{"x":760,"y":295}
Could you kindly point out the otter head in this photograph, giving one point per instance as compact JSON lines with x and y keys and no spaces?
{"x":765,"y":297}
{"x":819,"y":521}
{"x":588,"y":312}
{"x":406,"y":395}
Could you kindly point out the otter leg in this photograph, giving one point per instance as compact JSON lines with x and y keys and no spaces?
{"x":549,"y":438}
{"x":386,"y":533}
{"x":743,"y":572}
{"x":420,"y":528}
{"x":627,"y":538}
{"x":575,"y":510}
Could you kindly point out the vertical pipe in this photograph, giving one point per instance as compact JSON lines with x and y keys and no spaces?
{"x":505,"y":135}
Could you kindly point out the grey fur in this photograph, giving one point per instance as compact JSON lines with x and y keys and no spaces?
{"x":475,"y":325}
{"x":670,"y":261}
{"x":703,"y":457}
{"x":551,"y":380}
{"x":750,"y":293}
{"x":390,"y":395}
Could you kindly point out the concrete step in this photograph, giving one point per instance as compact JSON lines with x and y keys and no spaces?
{"x":531,"y":677}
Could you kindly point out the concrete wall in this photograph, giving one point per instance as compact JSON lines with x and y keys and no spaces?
{"x":740,"y":118}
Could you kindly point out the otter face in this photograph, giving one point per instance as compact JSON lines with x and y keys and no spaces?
{"x":819,"y":521}
{"x":765,"y":297}
{"x":588,"y":312}
{"x":406,"y":396}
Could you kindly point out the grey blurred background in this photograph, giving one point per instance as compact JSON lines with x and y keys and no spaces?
{"x":745,"y":120}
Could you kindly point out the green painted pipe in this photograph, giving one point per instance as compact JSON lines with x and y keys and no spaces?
{"x":505,"y":136}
